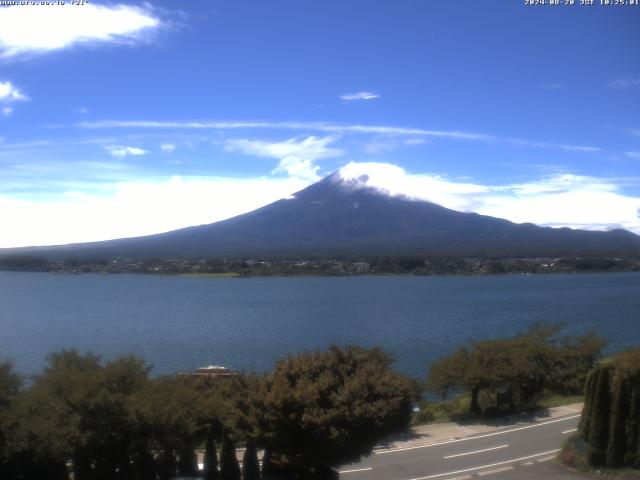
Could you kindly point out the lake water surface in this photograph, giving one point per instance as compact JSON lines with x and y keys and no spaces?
{"x":181,"y":323}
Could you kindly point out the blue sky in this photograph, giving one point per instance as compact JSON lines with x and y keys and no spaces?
{"x":121,"y":119}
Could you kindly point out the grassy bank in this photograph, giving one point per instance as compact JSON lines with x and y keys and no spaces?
{"x":574,"y":456}
{"x":457,"y":409}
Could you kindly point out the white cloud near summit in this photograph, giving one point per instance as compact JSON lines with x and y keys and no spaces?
{"x":563,"y":200}
{"x":132,"y":208}
{"x":297,"y":155}
{"x":34,"y":29}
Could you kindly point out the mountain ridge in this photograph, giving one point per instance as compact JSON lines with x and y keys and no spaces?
{"x":338,"y":216}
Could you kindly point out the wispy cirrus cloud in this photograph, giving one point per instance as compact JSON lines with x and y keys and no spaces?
{"x":327,"y":127}
{"x":625,"y":82}
{"x":333,"y":128}
{"x":167,"y":147}
{"x":6,"y":111}
{"x":121,"y":151}
{"x":350,"y":97}
{"x":633,"y":154}
{"x":34,"y":29}
{"x":562,"y":146}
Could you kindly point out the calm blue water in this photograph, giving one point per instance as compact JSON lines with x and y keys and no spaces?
{"x":181,"y":323}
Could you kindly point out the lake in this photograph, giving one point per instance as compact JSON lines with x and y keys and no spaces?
{"x":181,"y":323}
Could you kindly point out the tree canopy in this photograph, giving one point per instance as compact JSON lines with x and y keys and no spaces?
{"x":321,"y":409}
{"x":515,"y":370}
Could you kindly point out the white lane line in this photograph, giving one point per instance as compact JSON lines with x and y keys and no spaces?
{"x":356,"y":470}
{"x":570,"y":431}
{"x":495,"y":470}
{"x":477,"y":451}
{"x":546,"y":459}
{"x":402,"y":449}
{"x":487,"y":466}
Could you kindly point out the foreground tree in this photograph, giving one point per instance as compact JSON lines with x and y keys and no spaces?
{"x":250,"y":465}
{"x":78,"y":410}
{"x":610,"y":423}
{"x":229,"y":467}
{"x":9,"y":386}
{"x":321,"y":409}
{"x":516,"y":370}
{"x":167,"y":411}
{"x":210,"y":457}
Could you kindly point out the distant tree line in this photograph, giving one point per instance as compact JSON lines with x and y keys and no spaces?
{"x":110,"y":420}
{"x":329,"y":266}
{"x":515,"y":371}
{"x":610,"y":423}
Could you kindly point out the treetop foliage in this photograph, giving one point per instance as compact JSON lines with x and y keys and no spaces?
{"x":516,"y":369}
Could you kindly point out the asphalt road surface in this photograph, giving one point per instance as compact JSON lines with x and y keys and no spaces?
{"x":520,"y":452}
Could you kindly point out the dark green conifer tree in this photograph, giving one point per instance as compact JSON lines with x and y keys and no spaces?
{"x":250,"y":465}
{"x":187,"y":462}
{"x":599,"y":428}
{"x":632,"y":455}
{"x":616,"y":447}
{"x":587,"y":409}
{"x":632,"y":431}
{"x":210,"y":457}
{"x":229,"y":467}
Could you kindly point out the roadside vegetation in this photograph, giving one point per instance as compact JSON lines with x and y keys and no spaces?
{"x":608,"y":438}
{"x":110,"y":420}
{"x":98,"y":420}
{"x":538,"y":368}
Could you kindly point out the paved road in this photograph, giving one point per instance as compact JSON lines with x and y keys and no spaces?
{"x":516,"y":452}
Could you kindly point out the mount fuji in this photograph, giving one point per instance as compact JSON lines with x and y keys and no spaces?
{"x":342,"y":215}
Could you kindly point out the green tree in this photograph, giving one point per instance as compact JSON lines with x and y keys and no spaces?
{"x":167,"y":411}
{"x":611,"y":416}
{"x":229,"y":467}
{"x":78,"y":409}
{"x":616,"y":447}
{"x":321,"y":409}
{"x":9,"y":387}
{"x":210,"y":457}
{"x":518,"y":369}
{"x":250,"y":465}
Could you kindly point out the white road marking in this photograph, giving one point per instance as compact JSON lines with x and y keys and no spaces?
{"x":487,"y":466}
{"x":477,"y":451}
{"x":526,"y":464}
{"x":356,"y":470}
{"x":392,"y":450}
{"x":495,"y":470}
{"x":546,"y":459}
{"x":570,"y":431}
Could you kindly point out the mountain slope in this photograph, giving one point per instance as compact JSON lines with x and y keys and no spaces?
{"x":339,"y":217}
